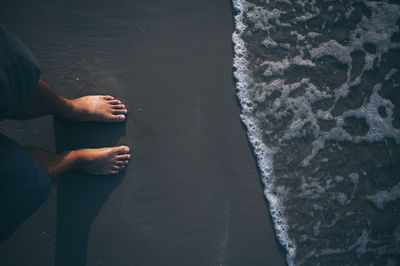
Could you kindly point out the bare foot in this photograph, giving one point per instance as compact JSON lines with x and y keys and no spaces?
{"x":96,"y":108}
{"x":103,"y":161}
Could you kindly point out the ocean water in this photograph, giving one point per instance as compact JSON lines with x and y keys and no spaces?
{"x":318,"y":83}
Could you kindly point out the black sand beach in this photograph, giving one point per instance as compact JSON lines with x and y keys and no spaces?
{"x":192,"y":194}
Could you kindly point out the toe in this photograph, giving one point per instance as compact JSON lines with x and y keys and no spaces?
{"x":125,"y":149}
{"x":116,"y":117}
{"x":108,"y":97}
{"x":123,"y":157}
{"x":122,"y":162}
{"x":121,"y":152}
{"x":119,"y":106}
{"x":120,"y":117}
{"x":119,"y":111}
{"x":114,"y":102}
{"x":116,"y":167}
{"x":113,"y":172}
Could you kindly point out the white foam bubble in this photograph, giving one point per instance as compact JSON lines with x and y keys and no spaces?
{"x":264,"y":155}
{"x":305,"y":17}
{"x":269,"y":43}
{"x":391,"y":73}
{"x":354,"y":177}
{"x":381,"y":198}
{"x":359,"y":245}
{"x":341,"y":198}
{"x":332,"y":48}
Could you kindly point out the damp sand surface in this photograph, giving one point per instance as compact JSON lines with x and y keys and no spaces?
{"x":191,"y":195}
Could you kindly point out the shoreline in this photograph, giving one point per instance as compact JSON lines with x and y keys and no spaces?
{"x":261,"y":152}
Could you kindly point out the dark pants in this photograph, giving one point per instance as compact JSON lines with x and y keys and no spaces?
{"x":24,"y":184}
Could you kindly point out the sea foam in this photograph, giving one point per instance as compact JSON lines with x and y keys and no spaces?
{"x":312,"y":95}
{"x":264,"y":155}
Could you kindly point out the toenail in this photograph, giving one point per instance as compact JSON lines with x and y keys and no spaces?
{"x":122,"y":117}
{"x":126,"y":149}
{"x":129,"y":156}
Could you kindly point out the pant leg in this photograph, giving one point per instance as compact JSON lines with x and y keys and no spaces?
{"x":19,"y":73}
{"x":24,"y":186}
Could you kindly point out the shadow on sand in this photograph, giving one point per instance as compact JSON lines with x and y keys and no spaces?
{"x":80,"y":197}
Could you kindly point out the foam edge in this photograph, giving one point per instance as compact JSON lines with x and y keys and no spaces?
{"x":262,"y":152}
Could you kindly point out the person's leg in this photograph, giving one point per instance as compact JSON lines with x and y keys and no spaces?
{"x":96,"y":108}
{"x":102,"y":161}
{"x":26,"y":174}
{"x":24,"y":186}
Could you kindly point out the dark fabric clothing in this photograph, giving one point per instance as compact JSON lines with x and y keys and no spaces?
{"x":24,"y":184}
{"x":19,"y":73}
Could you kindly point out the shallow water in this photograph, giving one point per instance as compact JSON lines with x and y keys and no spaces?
{"x":318,"y":82}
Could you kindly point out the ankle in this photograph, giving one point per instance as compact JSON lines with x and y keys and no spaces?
{"x":66,"y":109}
{"x":62,"y":163}
{"x":73,"y":159}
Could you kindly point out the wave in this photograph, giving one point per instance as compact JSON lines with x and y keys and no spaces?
{"x":263,"y":154}
{"x":318,"y":84}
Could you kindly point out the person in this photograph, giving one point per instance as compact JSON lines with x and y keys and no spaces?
{"x":27,"y":173}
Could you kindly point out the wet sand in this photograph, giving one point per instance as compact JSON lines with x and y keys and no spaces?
{"x":191,"y":195}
